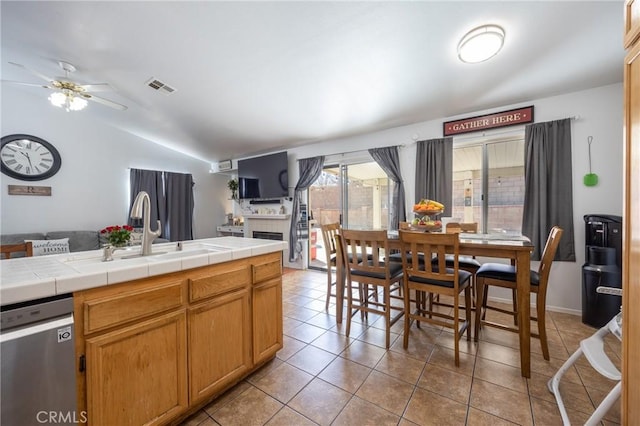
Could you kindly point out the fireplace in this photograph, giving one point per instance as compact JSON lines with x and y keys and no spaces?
{"x":268,"y":235}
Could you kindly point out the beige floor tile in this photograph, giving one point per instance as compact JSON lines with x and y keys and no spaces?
{"x":356,"y":329}
{"x":427,"y":408}
{"x":574,"y":395}
{"x":265,"y":369}
{"x":377,"y":336}
{"x":422,"y":342}
{"x":345,"y":374}
{"x":300,"y":300}
{"x":287,"y":417}
{"x":500,"y":374}
{"x":547,"y":413}
{"x":501,"y":402}
{"x":480,"y":418}
{"x":306,"y":332}
{"x":405,"y":422}
{"x":594,"y":380}
{"x":361,"y":412}
{"x":227,"y":397}
{"x":322,"y":320}
{"x":300,"y":313}
{"x":363,"y":353}
{"x":401,"y":366}
{"x":289,"y":324}
{"x":283,"y":383}
{"x":252,"y":407}
{"x":446,"y":340}
{"x":311,"y":359}
{"x":320,"y":401}
{"x":445,"y":358}
{"x":332,"y":342}
{"x":316,"y":305}
{"x":498,"y":353}
{"x":386,"y":392}
{"x":446,"y":382}
{"x":289,"y":347}
{"x":614,"y":413}
{"x":196,"y":419}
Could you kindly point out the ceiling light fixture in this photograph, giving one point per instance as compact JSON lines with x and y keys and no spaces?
{"x":481,"y":43}
{"x":66,"y":99}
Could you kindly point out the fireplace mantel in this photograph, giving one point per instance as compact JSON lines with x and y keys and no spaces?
{"x":267,"y":216}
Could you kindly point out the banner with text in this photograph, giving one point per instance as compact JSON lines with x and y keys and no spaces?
{"x":489,"y":121}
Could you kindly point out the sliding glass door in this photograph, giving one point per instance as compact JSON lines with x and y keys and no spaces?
{"x":354,"y":194}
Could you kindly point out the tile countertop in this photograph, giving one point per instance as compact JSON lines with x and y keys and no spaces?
{"x":30,"y":278}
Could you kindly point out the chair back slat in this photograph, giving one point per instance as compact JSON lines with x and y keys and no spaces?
{"x":8,"y":249}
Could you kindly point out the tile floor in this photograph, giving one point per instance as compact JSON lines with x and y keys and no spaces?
{"x":322,"y":377}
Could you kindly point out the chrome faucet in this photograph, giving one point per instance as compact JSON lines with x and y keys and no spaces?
{"x":142,"y":204}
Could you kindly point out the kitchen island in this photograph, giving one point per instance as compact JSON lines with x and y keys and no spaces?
{"x":158,"y":337}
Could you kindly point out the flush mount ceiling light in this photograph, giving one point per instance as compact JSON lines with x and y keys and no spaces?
{"x":480,"y":44}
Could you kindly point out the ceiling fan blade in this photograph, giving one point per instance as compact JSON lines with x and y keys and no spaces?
{"x":103,"y":101}
{"x":96,"y":87}
{"x":44,"y":86}
{"x":36,"y":73}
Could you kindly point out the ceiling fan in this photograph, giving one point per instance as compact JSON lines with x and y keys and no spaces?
{"x":67,"y":94}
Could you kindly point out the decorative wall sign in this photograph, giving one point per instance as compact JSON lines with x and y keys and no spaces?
{"x":29,"y":190}
{"x":489,"y":121}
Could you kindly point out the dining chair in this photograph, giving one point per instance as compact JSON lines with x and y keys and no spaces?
{"x":501,"y":275}
{"x":435,"y":278}
{"x":8,"y":249}
{"x":329,"y":232}
{"x":375,"y":270}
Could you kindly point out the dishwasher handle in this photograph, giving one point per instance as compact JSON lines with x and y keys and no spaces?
{"x":64,"y":333}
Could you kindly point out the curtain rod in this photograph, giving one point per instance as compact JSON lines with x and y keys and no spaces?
{"x":351,"y":152}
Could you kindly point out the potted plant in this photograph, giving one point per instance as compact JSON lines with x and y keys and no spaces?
{"x":233,"y":186}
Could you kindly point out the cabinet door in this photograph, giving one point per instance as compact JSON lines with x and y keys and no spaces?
{"x":631,"y":242}
{"x":219,"y":343}
{"x":267,"y":319}
{"x":137,"y":375}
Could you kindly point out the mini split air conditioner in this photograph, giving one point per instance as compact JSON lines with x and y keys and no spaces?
{"x":223,"y":166}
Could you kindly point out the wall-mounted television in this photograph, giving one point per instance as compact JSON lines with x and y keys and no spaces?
{"x":266,"y":176}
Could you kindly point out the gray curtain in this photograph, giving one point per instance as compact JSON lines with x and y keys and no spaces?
{"x":150,"y":181}
{"x":548,"y":197}
{"x":179,"y":206}
{"x":434,"y":172}
{"x":388,"y":159}
{"x":310,"y":170}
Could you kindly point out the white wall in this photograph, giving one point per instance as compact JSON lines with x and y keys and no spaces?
{"x":600,"y":116}
{"x":91,"y":190}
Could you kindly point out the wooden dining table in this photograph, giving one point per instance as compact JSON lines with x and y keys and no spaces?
{"x":516,"y":248}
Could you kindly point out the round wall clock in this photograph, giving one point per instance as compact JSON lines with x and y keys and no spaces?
{"x":28,"y":157}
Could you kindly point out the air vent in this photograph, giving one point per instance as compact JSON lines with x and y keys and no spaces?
{"x":160,"y":86}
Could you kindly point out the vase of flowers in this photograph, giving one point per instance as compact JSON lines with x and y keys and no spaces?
{"x":118,"y":236}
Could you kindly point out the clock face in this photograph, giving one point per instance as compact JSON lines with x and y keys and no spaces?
{"x":28,"y":157}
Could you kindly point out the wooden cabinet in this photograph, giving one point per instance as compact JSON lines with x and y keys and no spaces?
{"x":267,"y":319}
{"x":267,"y":307}
{"x":631,"y":222}
{"x":219,"y":343}
{"x":152,"y":350}
{"x":137,"y":375}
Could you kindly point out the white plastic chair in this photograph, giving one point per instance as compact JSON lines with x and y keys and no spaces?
{"x":593,"y":349}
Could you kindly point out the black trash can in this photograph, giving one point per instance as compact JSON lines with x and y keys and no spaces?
{"x":598,"y":309}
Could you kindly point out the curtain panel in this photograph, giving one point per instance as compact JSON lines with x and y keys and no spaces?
{"x":548,"y":198}
{"x":389,"y":160}
{"x":310,"y":170}
{"x":434,"y":172}
{"x":171,"y":200}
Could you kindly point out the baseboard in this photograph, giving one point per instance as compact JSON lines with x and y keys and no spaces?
{"x":559,"y":309}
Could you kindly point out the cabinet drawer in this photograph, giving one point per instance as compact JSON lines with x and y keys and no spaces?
{"x":219,"y":279}
{"x":270,"y":267}
{"x":112,"y":310}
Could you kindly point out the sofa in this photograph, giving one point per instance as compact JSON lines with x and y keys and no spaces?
{"x":78,"y":240}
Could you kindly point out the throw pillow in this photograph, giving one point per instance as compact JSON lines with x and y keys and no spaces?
{"x":44,"y":247}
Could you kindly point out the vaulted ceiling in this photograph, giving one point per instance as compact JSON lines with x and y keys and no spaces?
{"x":252,"y":77}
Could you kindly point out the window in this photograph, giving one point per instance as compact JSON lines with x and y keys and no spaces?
{"x":488,"y":183}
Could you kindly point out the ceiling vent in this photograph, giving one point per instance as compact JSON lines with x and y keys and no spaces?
{"x":159,"y":86}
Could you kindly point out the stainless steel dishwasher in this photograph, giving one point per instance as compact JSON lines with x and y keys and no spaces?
{"x":38,"y":363}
